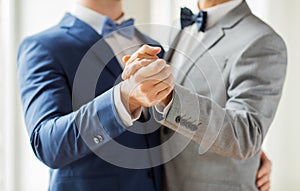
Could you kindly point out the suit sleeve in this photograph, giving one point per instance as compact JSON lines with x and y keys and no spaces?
{"x":59,"y":135}
{"x":254,"y":89}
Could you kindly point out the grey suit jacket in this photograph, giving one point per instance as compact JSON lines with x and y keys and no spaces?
{"x":225,"y":99}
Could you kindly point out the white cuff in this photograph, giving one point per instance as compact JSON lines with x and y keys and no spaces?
{"x":162,"y":109}
{"x":124,"y":115}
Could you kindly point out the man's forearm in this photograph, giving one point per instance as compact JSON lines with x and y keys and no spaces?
{"x":226,"y":132}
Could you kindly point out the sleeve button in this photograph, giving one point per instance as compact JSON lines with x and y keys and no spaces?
{"x":178,"y":119}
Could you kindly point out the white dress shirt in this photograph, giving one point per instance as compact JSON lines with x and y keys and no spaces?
{"x":120,"y":45}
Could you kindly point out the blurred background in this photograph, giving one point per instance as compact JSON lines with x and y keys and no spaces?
{"x":21,"y":171}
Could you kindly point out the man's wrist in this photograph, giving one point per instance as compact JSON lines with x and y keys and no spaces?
{"x":128,"y":101}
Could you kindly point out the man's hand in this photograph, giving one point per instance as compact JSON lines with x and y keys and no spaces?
{"x":153,"y":75}
{"x":264,"y":173}
{"x":145,"y":52}
{"x":150,"y":84}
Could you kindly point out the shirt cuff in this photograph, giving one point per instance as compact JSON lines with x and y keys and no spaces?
{"x":163,"y":110}
{"x":123,"y":113}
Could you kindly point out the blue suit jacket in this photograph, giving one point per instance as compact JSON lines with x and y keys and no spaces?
{"x":47,"y":64}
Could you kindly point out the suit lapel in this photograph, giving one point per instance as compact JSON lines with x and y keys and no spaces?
{"x":145,"y":39}
{"x":172,"y":49}
{"x":107,"y":57}
{"x":212,"y":36}
{"x":93,"y":41}
{"x":209,"y":39}
{"x":79,"y":30}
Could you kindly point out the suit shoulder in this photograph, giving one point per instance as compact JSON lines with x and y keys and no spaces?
{"x":54,"y":36}
{"x":41,"y":45}
{"x":255,"y":30}
{"x":257,"y":26}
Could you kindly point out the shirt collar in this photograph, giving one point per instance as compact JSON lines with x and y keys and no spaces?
{"x":216,"y":13}
{"x":91,"y":17}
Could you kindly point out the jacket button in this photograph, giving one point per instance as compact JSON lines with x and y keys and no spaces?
{"x":178,"y":119}
{"x":98,"y":139}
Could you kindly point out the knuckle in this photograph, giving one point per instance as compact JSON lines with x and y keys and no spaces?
{"x":144,"y":46}
{"x":158,"y":64}
{"x":156,"y":79}
{"x":135,"y":66}
{"x":149,"y":100}
{"x":123,"y":76}
{"x":142,"y":89}
{"x":161,"y":62}
{"x":135,"y":62}
{"x":127,"y":72}
{"x":148,"y":96}
{"x":165,"y":75}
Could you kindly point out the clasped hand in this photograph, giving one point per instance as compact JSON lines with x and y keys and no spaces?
{"x":148,"y":80}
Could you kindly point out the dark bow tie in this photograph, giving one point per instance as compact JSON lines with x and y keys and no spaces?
{"x":188,"y":18}
{"x":126,"y":28}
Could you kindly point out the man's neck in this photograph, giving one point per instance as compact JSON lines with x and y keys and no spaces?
{"x":205,"y":4}
{"x":110,"y":8}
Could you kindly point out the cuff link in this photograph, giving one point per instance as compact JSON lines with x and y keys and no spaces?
{"x":98,"y":139}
